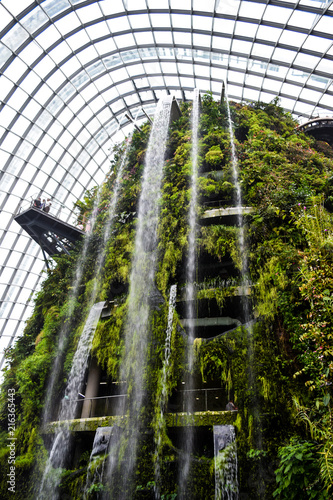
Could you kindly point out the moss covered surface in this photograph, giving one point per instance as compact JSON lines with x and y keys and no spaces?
{"x":278,"y":371}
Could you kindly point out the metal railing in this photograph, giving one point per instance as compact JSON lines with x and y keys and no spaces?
{"x":218,"y":203}
{"x":57,"y":209}
{"x":104,"y":406}
{"x":212,"y":399}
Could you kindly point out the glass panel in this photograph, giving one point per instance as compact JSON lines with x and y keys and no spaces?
{"x":247,"y":29}
{"x":221,"y":44}
{"x":32,"y":109}
{"x":87,"y":55}
{"x":224,"y":26}
{"x":259,"y":49}
{"x":18,"y":98}
{"x":277,"y":14}
{"x":283,"y":55}
{"x":144,"y":38}
{"x":30,"y":82}
{"x":53,"y":7}
{"x":48,"y":37}
{"x":67,"y":23}
{"x":119,"y":75}
{"x":247,"y":10}
{"x":158,"y":4}
{"x":118,"y":24}
{"x":207,"y":6}
{"x":139,"y":20}
{"x":202,"y":22}
{"x":163,"y":37}
{"x":16,"y":69}
{"x":112,"y":7}
{"x":306,"y":61}
{"x":60,"y":52}
{"x":241,"y":47}
{"x":292,"y":38}
{"x":97,"y":30}
{"x":34,"y":134}
{"x":268,"y":33}
{"x":289,"y":90}
{"x":5,"y":54}
{"x":89,"y":12}
{"x":34,"y":20}
{"x":324,"y":25}
{"x":317,"y":43}
{"x":78,"y":40}
{"x":5,"y":17}
{"x":15,"y":37}
{"x":70,"y":67}
{"x":7,"y":115}
{"x":304,"y":19}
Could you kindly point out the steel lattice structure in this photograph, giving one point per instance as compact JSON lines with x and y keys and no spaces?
{"x":71,"y":70}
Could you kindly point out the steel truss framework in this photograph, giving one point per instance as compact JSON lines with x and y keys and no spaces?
{"x":71,"y":71}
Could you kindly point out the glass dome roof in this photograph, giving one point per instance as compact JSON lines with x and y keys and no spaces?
{"x":74,"y":71}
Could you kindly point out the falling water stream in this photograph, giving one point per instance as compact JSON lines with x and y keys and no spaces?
{"x":97,"y":458}
{"x":245,"y":300}
{"x":61,"y":444}
{"x":164,"y":392}
{"x":66,"y":323}
{"x":142,"y":287}
{"x":225,"y":456}
{"x":76,"y":282}
{"x":187,"y":441}
{"x":68,"y":408}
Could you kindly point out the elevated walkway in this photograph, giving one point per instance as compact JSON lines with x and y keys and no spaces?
{"x":182,"y":419}
{"x":201,"y":322}
{"x":226,"y":216}
{"x":320,"y":127}
{"x":52,"y":234}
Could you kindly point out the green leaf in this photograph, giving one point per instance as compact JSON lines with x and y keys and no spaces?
{"x":326,"y":399}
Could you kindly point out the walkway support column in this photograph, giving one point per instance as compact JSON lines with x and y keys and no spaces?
{"x":94,"y":376}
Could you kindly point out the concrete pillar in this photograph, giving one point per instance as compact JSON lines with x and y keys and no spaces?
{"x":94,"y":376}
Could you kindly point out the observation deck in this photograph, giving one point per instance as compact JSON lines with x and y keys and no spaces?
{"x":227,"y":216}
{"x":320,"y":128}
{"x":53,"y":234}
{"x":208,"y":409}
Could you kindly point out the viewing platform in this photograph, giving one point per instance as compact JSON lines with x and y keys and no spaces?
{"x":219,"y":321}
{"x":208,"y":409}
{"x":226,"y":216}
{"x":53,"y":234}
{"x":321,"y":128}
{"x":181,"y":419}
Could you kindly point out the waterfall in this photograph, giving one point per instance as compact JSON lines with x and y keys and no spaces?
{"x":137,"y":328}
{"x":65,"y":329}
{"x":66,"y":323}
{"x":225,"y":453}
{"x":109,"y":221}
{"x":163,"y":396}
{"x":190,"y":299}
{"x":252,"y":383}
{"x":62,"y":442}
{"x":235,"y":174}
{"x":97,"y":458}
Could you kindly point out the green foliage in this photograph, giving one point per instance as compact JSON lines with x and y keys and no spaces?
{"x":214,"y":157}
{"x":220,"y":241}
{"x":297,"y":476}
{"x":289,"y":350}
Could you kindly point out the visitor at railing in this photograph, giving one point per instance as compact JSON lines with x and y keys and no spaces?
{"x":47,"y":205}
{"x":230,"y":406}
{"x":52,"y":207}
{"x":38,"y":202}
